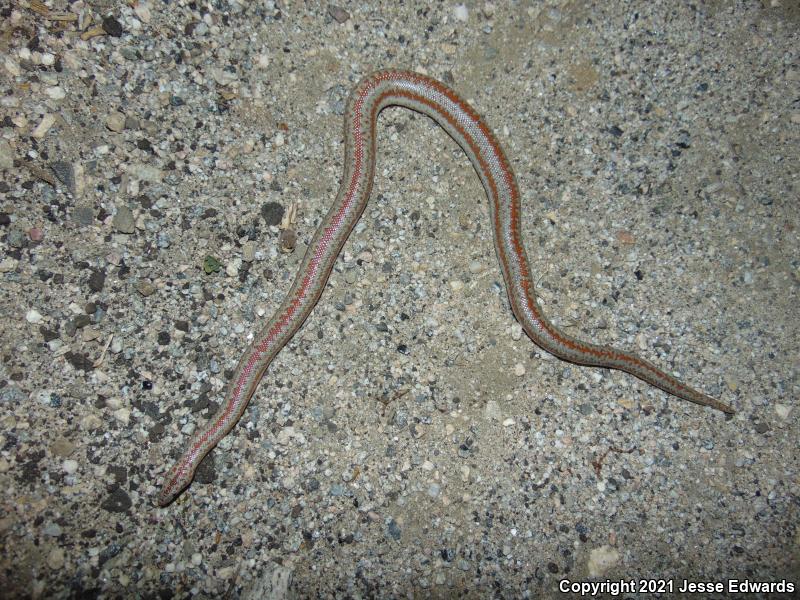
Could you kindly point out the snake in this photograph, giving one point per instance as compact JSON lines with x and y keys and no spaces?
{"x":426,"y":95}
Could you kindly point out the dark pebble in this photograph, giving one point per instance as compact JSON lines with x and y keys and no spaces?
{"x":272,"y":213}
{"x":112,"y":27}
{"x":65,"y":173}
{"x":156,"y":432}
{"x":76,"y":323}
{"x":47,"y":334}
{"x":97,"y":280}
{"x":393,"y":530}
{"x":117,"y":502}
{"x":206,"y":473}
{"x":79,"y":361}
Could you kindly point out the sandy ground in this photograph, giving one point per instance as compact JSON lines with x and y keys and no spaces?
{"x":409,"y":441}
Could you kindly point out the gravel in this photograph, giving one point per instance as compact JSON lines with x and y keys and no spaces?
{"x":163,"y":167}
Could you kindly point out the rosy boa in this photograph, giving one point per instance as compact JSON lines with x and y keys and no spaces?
{"x":430,"y":97}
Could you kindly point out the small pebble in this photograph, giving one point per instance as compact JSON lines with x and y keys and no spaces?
{"x":6,"y":155}
{"x":338,"y":14}
{"x":123,"y":220}
{"x":248,"y":252}
{"x":142,"y":10}
{"x":44,"y":126}
{"x":461,"y":13}
{"x":112,"y":27}
{"x":123,"y":415}
{"x":55,"y":559}
{"x":782,"y":410}
{"x":115,"y":121}
{"x":601,"y":560}
{"x":145,"y":287}
{"x":56,"y":92}
{"x":83,"y":214}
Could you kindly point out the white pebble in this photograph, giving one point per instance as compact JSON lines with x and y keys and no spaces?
{"x":12,"y":67}
{"x":70,"y":466}
{"x":56,"y":92}
{"x":461,"y":12}
{"x":123,"y":415}
{"x":55,"y":560}
{"x":142,"y":11}
{"x":33,"y":316}
{"x":601,"y":560}
{"x":492,"y":410}
{"x":8,"y":264}
{"x":44,"y":126}
{"x":43,"y":396}
{"x":508,"y":422}
{"x":519,"y":369}
{"x":197,"y":558}
{"x":232,"y":268}
{"x":115,"y":121}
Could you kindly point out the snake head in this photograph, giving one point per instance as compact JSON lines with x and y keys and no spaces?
{"x":176,"y":480}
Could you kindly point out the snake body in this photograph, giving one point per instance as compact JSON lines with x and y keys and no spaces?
{"x":433,"y":98}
